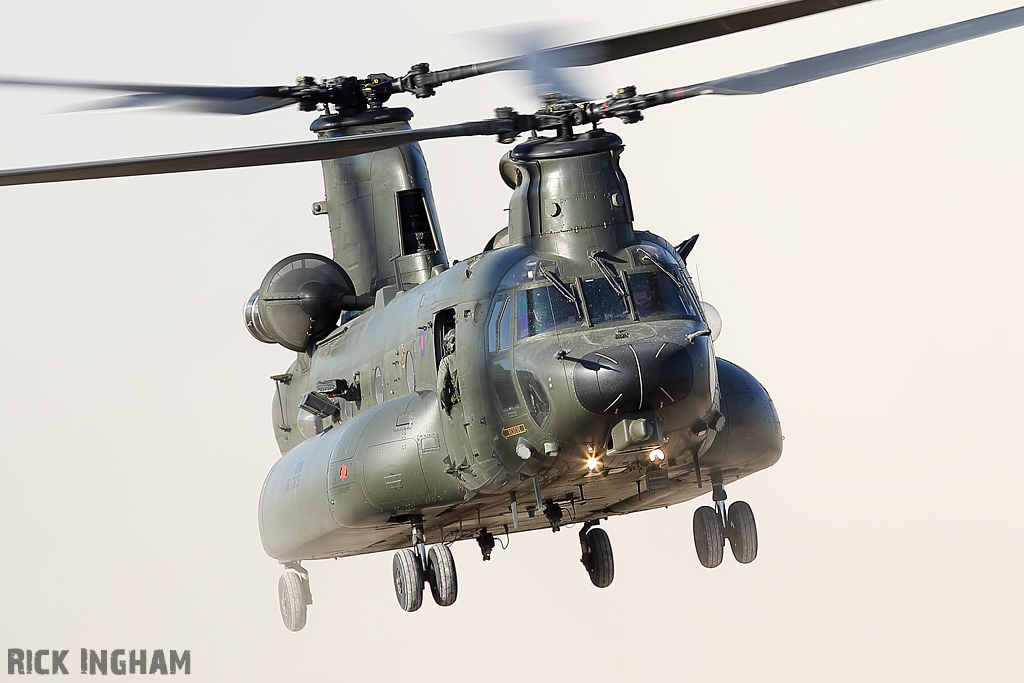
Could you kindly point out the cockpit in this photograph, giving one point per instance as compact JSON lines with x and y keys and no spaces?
{"x":540,"y":301}
{"x":539,"y":307}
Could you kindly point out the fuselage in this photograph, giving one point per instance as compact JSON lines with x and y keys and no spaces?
{"x":558,"y":377}
{"x":584,"y":377}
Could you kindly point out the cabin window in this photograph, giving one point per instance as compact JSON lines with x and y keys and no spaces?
{"x":378,"y":385}
{"x":604,"y":305}
{"x":654,"y":294}
{"x":544,"y":309}
{"x":410,"y":372}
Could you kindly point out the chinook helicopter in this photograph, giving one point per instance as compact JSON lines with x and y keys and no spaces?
{"x":565,"y":374}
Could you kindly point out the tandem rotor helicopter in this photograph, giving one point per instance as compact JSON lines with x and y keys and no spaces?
{"x":565,"y":374}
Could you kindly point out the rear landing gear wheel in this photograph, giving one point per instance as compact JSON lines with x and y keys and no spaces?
{"x":444,"y":583}
{"x":708,"y":537}
{"x":408,"y":573}
{"x":292,"y":596}
{"x":597,"y":557}
{"x":742,"y":532}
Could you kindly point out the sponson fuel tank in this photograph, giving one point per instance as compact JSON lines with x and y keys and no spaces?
{"x":357,"y":475}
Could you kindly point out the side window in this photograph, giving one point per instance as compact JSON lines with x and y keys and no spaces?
{"x":534,"y":394}
{"x":499,"y":331}
{"x":501,"y":376}
{"x":494,"y":324}
{"x":505,"y":326}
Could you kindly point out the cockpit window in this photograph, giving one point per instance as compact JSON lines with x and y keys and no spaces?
{"x":498,"y":326}
{"x":654,"y":294}
{"x":505,"y":326}
{"x":543,"y":309}
{"x":603,"y":303}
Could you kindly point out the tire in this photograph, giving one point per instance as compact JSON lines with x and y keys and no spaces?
{"x":707,"y":537}
{"x":292,"y":596}
{"x":408,"y":574}
{"x":600,"y":563}
{"x":742,"y":532}
{"x":444,"y":582}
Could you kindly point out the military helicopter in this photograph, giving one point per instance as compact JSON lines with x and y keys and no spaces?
{"x":565,"y":374}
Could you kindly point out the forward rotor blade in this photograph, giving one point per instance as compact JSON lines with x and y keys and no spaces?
{"x":610,"y":49}
{"x":832,"y":64}
{"x":199,"y":98}
{"x":289,"y":153}
{"x":203,"y":91}
{"x":249,"y":105}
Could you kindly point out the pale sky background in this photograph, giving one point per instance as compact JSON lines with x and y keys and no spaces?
{"x":861,"y":237}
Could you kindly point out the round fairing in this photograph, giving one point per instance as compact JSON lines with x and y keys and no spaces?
{"x":713,"y":318}
{"x":299,"y":301}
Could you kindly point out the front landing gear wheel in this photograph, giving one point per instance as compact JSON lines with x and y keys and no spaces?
{"x":598,"y":558}
{"x":292,"y":595}
{"x":408,"y":573}
{"x":708,"y":537}
{"x":742,"y":532}
{"x":444,"y":583}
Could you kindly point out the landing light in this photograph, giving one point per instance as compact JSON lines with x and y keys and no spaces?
{"x":657,"y":454}
{"x":591,"y":463}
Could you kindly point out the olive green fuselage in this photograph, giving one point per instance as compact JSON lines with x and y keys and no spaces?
{"x":583,"y":358}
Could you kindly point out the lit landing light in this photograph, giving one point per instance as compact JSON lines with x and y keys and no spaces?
{"x":656,"y":454}
{"x":592,"y":463}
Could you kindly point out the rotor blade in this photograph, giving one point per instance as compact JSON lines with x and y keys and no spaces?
{"x":823,"y":66}
{"x":200,"y":91}
{"x":609,"y":49}
{"x":289,"y":153}
{"x":250,"y":105}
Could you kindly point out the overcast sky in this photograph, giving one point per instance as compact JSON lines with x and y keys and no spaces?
{"x":860,"y":236}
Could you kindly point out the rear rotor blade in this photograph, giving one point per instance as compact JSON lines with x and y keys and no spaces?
{"x":832,"y":64}
{"x":289,"y":153}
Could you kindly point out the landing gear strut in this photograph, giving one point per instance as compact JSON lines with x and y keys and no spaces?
{"x":711,"y":526}
{"x":294,"y":595}
{"x":486,"y":542}
{"x":416,"y":566}
{"x":597,"y":554}
{"x":553,"y":512}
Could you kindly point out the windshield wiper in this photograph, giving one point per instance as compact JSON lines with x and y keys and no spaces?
{"x":609,"y":275}
{"x":562,"y":289}
{"x":660,"y":266}
{"x":559,"y":285}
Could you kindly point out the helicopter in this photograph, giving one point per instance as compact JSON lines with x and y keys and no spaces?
{"x":579,"y":276}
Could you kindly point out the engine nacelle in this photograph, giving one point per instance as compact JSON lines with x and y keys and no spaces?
{"x":300,"y":301}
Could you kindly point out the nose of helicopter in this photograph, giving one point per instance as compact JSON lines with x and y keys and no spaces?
{"x":639,"y":376}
